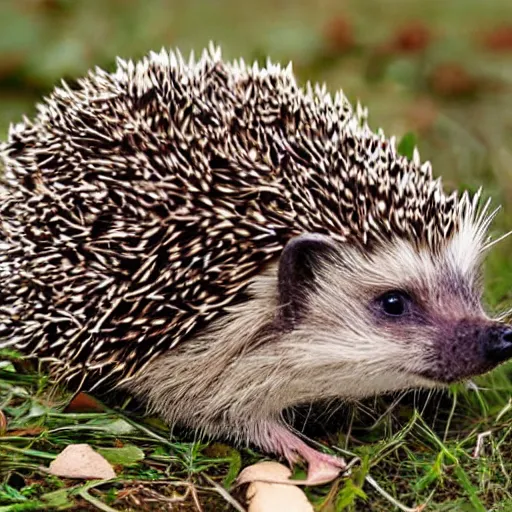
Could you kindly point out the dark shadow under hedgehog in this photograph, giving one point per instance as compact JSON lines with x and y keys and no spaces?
{"x":225,"y":245}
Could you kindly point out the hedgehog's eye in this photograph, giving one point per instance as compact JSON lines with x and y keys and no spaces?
{"x":394,"y":303}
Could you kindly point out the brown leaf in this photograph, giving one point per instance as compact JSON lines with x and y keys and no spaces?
{"x":3,"y":423}
{"x":82,"y":402}
{"x":22,"y":432}
{"x":81,"y":461}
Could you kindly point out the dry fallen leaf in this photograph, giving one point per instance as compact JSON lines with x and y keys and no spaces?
{"x":29,"y":431}
{"x":82,"y":402}
{"x":81,"y":461}
{"x":3,"y":423}
{"x":264,"y":496}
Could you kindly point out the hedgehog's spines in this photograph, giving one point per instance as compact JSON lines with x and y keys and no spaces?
{"x":195,"y":173}
{"x":215,"y":51}
{"x":361,"y":114}
{"x":426,"y":169}
{"x":416,"y":157}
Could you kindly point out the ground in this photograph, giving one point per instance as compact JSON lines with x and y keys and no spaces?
{"x":436,"y":73}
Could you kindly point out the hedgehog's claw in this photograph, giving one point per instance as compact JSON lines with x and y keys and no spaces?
{"x":322,"y":468}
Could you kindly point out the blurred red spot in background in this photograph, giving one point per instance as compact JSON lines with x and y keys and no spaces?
{"x":499,"y":39}
{"x":339,"y":35}
{"x":412,"y":38}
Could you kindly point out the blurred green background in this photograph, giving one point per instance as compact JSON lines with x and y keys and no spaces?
{"x":439,"y":68}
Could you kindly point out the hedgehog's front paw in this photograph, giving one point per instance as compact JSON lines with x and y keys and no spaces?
{"x":322,"y":468}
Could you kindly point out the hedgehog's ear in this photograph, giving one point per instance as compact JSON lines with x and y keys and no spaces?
{"x":296,"y":274}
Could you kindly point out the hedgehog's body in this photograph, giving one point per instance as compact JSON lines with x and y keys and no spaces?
{"x":144,"y":216}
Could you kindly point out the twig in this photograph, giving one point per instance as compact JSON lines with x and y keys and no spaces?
{"x":225,"y":494}
{"x":390,"y":498}
{"x":196,"y":498}
{"x":480,"y":443}
{"x":95,"y":501}
{"x":504,"y":411}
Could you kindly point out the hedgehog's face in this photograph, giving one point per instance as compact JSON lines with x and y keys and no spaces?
{"x":398,"y":316}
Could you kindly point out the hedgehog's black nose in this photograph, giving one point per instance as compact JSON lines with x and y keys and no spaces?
{"x":499,"y":346}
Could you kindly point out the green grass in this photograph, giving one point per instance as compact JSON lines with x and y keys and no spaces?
{"x":446,"y":451}
{"x":151,"y":464}
{"x":449,"y":452}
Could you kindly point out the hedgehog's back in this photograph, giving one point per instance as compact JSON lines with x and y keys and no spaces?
{"x":133,"y":211}
{"x":141,"y":203}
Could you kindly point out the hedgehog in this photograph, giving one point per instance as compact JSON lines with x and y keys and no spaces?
{"x":226,"y":245}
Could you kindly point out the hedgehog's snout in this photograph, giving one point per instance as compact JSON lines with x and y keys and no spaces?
{"x":498,"y":345}
{"x":473,"y":347}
